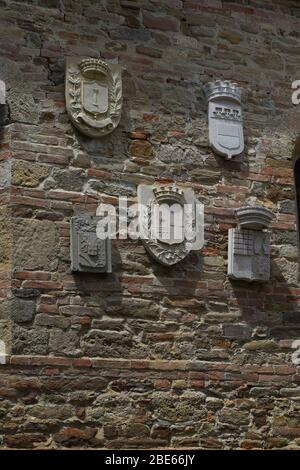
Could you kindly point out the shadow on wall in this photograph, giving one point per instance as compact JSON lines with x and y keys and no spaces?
{"x":271,"y":311}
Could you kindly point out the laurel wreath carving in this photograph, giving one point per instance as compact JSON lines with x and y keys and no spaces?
{"x":116,"y":95}
{"x":74,"y":92}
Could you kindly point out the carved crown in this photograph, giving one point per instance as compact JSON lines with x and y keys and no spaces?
{"x":254,"y":217}
{"x":93,"y":65}
{"x":169,"y":194}
{"x":222,"y":89}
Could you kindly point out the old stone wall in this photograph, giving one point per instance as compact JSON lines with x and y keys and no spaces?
{"x":147,"y":356}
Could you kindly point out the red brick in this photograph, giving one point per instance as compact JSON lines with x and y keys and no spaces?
{"x":163,"y":23}
{"x":40,"y":275}
{"x":99,"y":173}
{"x":49,"y":285}
{"x":138,"y":135}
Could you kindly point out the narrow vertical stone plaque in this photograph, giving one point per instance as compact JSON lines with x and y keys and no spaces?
{"x":88,"y":252}
{"x":2,"y":97}
{"x":2,"y":92}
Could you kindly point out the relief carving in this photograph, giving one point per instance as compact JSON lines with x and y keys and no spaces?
{"x":88,"y":252}
{"x":249,"y":245}
{"x":93,"y":95}
{"x":226,"y":136}
{"x":171,"y":222}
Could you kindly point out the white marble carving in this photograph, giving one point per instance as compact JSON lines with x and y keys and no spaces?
{"x":171,"y":222}
{"x":2,"y":99}
{"x":93,"y":95}
{"x":225,"y":119}
{"x":249,"y":245}
{"x":2,"y":92}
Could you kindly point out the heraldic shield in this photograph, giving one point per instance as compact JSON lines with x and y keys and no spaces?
{"x":226,"y":135}
{"x":171,"y":222}
{"x":93,"y":95}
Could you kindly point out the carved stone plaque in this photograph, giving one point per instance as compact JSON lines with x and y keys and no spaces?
{"x":2,"y":99}
{"x":225,"y":120}
{"x":2,"y":92}
{"x":93,"y":95}
{"x":88,"y":252}
{"x":249,"y":254}
{"x":171,"y":222}
{"x":249,"y":245}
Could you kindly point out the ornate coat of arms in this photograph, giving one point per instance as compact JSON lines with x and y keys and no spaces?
{"x":88,"y":252}
{"x":171,"y":222}
{"x":249,"y":245}
{"x":225,"y":120}
{"x":93,"y":95}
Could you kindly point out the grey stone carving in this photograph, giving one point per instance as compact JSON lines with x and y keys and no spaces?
{"x":2,"y":92}
{"x":2,"y":98}
{"x":93,"y":95}
{"x":171,"y":222}
{"x":88,"y":252}
{"x":249,"y":245}
{"x":225,"y":119}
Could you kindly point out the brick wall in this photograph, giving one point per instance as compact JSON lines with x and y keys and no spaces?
{"x":147,"y":356}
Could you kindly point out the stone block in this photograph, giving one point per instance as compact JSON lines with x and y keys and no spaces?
{"x":237,"y":331}
{"x":29,"y":341}
{"x":64,"y":342}
{"x":23,"y":311}
{"x":22,"y":106}
{"x":35,"y":245}
{"x":29,"y":174}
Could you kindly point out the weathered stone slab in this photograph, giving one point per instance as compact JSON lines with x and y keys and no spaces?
{"x":2,"y":93}
{"x":88,"y":252}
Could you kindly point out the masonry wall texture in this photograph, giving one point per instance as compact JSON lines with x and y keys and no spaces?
{"x":147,"y":356}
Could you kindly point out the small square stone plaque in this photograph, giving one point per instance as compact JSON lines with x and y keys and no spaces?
{"x":88,"y":252}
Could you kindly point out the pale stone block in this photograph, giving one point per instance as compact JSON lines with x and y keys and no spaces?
{"x":2,"y":92}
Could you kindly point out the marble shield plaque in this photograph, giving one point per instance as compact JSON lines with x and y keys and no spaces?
{"x":249,"y":245}
{"x":171,"y":222}
{"x":93,"y":95}
{"x":225,"y":120}
{"x":88,"y":252}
